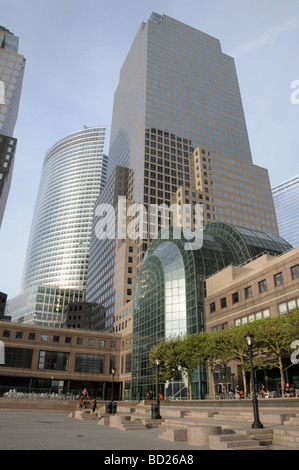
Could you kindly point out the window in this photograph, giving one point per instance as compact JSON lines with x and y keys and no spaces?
{"x":17,"y":357}
{"x":288,"y":306}
{"x":44,"y":337}
{"x":278,"y":279}
{"x":91,"y":342}
{"x":6,"y":334}
{"x":282,"y":308}
{"x":295,"y":271}
{"x":262,"y":286}
{"x":252,"y":317}
{"x":68,"y":339}
{"x":128,"y":362}
{"x":79,"y":340}
{"x":19,"y":335}
{"x":102,"y":342}
{"x":248,"y":292}
{"x":31,"y":336}
{"x":89,"y":363}
{"x":53,"y":360}
{"x":55,"y":339}
{"x":212,"y":307}
{"x":235,"y":297}
{"x":223,"y":302}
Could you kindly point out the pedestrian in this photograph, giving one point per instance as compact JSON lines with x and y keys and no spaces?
{"x":150,"y":395}
{"x":85,"y":394}
{"x":80,"y":404}
{"x":237,"y":392}
{"x":94,"y":406}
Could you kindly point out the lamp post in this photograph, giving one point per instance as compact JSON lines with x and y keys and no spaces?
{"x":156,"y":406}
{"x":256,"y":423}
{"x":113,"y":405}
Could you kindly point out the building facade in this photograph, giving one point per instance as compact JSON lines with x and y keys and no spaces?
{"x":12,"y":66}
{"x":3,"y":299}
{"x":74,"y":171}
{"x":286,"y":202}
{"x":264,"y":287}
{"x":59,"y":360}
{"x":178,"y":125}
{"x":83,"y":315}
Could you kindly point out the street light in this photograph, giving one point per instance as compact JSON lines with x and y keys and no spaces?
{"x":110,"y":405}
{"x":256,"y":423}
{"x":113,"y":405}
{"x":156,"y":406}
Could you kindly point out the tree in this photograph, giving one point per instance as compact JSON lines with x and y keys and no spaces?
{"x":166,"y":351}
{"x":277,"y":334}
{"x":189,"y":359}
{"x":178,"y":357}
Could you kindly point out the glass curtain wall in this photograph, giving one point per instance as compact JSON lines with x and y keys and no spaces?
{"x":170,"y":293}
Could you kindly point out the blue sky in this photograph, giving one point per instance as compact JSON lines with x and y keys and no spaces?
{"x":74,"y":52}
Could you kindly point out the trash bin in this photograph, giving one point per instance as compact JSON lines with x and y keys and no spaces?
{"x":156,"y":411}
{"x":109,"y":407}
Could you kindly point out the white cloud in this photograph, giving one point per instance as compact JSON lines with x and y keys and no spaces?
{"x":267,"y":38}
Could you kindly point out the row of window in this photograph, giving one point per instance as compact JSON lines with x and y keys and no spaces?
{"x":283,"y":309}
{"x":58,"y":361}
{"x":57,"y":339}
{"x":262,"y":286}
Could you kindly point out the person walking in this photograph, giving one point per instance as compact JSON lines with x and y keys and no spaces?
{"x":94,"y":407}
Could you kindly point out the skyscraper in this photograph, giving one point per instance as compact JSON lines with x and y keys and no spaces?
{"x":74,"y":172}
{"x":12,"y":67}
{"x":179,"y":134}
{"x":286,"y":202}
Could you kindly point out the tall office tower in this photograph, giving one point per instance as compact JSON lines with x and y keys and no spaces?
{"x":12,"y":67}
{"x":178,"y":125}
{"x":286,"y":202}
{"x":74,"y":171}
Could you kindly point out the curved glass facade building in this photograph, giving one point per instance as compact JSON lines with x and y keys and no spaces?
{"x":170,"y":293}
{"x":74,"y":172}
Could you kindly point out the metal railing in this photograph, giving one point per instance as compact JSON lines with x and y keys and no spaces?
{"x":40,"y":395}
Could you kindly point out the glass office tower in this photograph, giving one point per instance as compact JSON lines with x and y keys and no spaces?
{"x":74,"y":172}
{"x":12,"y":67}
{"x":177,"y":79}
{"x":286,"y":202}
{"x":177,"y":126}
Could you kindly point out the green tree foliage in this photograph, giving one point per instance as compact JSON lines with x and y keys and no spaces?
{"x":272,"y":343}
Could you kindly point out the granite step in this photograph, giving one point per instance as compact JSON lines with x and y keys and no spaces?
{"x":286,"y":438}
{"x":292,"y":420}
{"x":132,"y":426}
{"x":234,"y":442}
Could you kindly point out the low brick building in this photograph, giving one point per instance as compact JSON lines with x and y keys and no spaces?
{"x":264,"y":287}
{"x":60,"y":360}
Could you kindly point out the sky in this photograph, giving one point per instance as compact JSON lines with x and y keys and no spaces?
{"x":74,"y":51}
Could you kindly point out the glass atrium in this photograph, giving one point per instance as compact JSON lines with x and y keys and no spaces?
{"x":170,"y":292}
